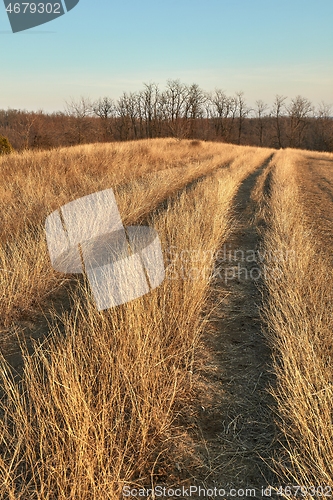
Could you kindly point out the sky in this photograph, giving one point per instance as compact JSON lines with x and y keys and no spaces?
{"x":105,"y":47}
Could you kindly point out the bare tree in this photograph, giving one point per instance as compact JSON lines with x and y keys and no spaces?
{"x":299,"y":111}
{"x":323,"y":130}
{"x":261,"y":108}
{"x":28,"y":120}
{"x":278,"y":108}
{"x":149,"y":105}
{"x":324,"y":111}
{"x":126,"y":112}
{"x":220,"y":111}
{"x":174,"y":104}
{"x":195,"y":99}
{"x":80,"y":110}
{"x":104,"y":108}
{"x":243,"y":112}
{"x":175,"y":98}
{"x":131,"y":103}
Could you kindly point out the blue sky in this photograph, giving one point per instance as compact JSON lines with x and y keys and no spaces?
{"x":105,"y":47}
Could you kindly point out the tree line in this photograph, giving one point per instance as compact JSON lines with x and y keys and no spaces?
{"x":180,"y":111}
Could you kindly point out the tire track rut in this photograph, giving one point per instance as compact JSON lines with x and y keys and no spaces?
{"x":235,"y":415}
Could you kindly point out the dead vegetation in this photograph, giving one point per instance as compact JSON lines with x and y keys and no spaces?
{"x":298,"y":312}
{"x":96,"y":403}
{"x":101,"y":398}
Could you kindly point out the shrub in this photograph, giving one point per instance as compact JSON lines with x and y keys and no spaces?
{"x":5,"y":146}
{"x":195,"y":142}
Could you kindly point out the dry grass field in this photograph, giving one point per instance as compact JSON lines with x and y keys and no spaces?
{"x":299,"y":314}
{"x":221,"y":376}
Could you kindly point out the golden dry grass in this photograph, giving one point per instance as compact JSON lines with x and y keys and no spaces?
{"x":299,"y":317}
{"x":100,"y":400}
{"x":35,"y":184}
{"x":97,"y":403}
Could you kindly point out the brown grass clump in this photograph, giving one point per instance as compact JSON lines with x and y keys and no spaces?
{"x":96,"y":406}
{"x":299,"y":317}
